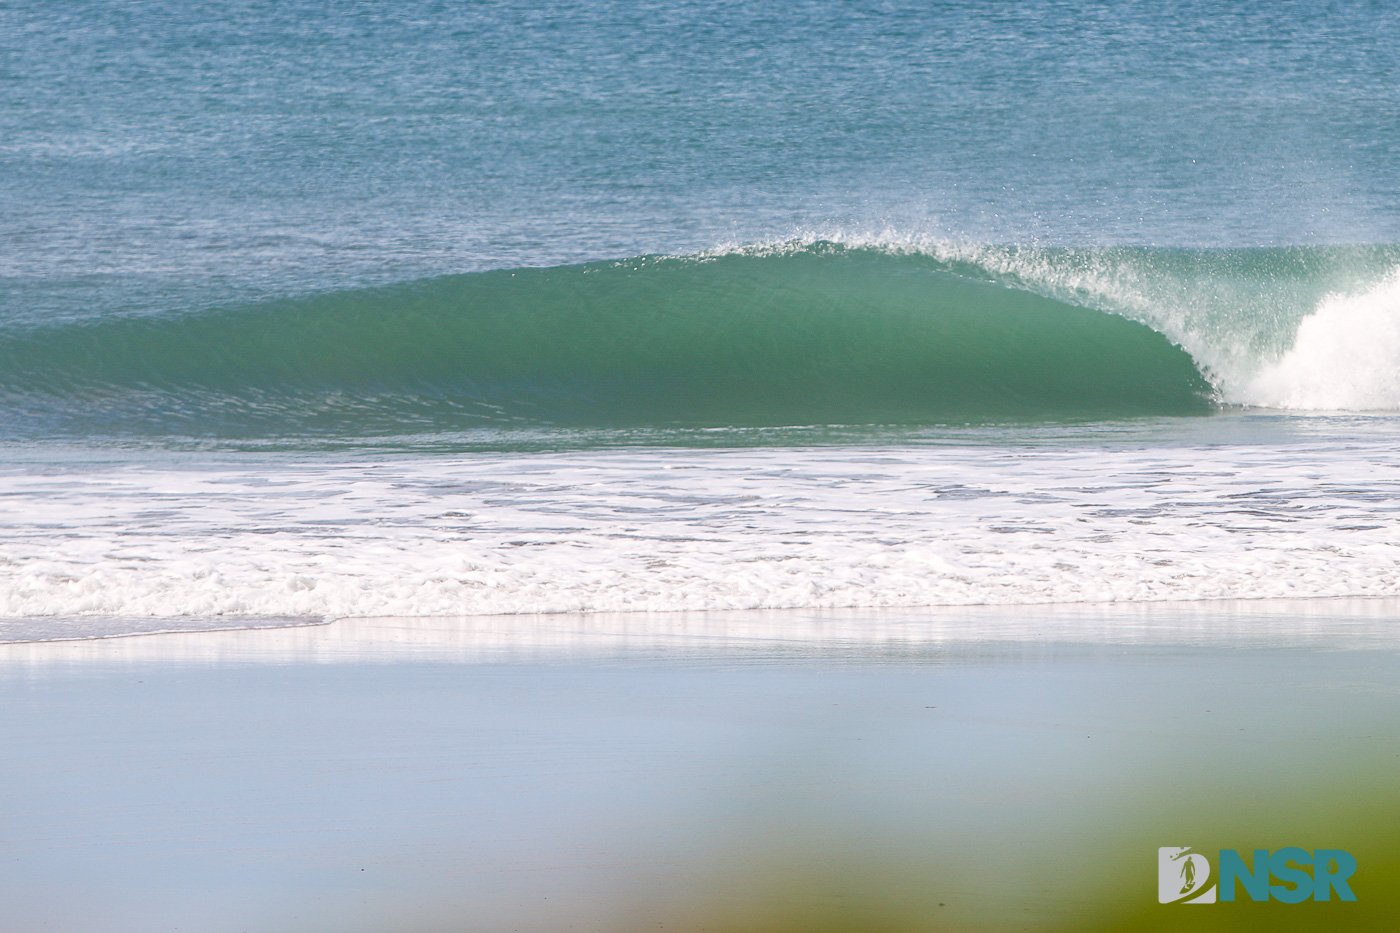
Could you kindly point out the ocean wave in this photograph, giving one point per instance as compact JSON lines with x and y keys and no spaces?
{"x":805,"y":331}
{"x":821,"y":334}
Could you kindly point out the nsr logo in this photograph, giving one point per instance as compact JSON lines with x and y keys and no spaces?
{"x":1184,"y":875}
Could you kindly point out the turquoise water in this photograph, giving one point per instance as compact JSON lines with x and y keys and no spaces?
{"x":820,"y":335}
{"x":479,"y":264}
{"x":790,"y":333}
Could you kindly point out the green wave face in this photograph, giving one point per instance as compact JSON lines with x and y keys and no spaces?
{"x":820,"y":335}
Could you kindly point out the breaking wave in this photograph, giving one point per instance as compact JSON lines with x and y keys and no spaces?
{"x":813,"y":334}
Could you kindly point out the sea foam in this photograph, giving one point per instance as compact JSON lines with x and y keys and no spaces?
{"x":680,"y":529}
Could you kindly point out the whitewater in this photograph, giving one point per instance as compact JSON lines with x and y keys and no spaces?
{"x":685,"y":529}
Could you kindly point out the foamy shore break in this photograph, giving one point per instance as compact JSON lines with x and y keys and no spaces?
{"x":680,"y":529}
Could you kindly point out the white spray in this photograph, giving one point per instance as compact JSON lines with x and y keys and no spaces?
{"x":1345,"y":357}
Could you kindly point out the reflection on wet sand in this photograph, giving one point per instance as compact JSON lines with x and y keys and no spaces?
{"x":851,"y":771}
{"x":1337,"y":623}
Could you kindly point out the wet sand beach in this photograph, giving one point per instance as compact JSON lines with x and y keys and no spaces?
{"x":976,"y":769}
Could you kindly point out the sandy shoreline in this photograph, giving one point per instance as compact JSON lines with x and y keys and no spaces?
{"x":708,"y":770}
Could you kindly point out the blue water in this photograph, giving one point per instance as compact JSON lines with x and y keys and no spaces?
{"x":232,"y":233}
{"x":168,"y":155}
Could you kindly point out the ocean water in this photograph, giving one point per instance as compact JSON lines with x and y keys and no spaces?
{"x":310,"y":310}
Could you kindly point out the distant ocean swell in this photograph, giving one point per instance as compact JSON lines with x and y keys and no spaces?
{"x":797,"y":333}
